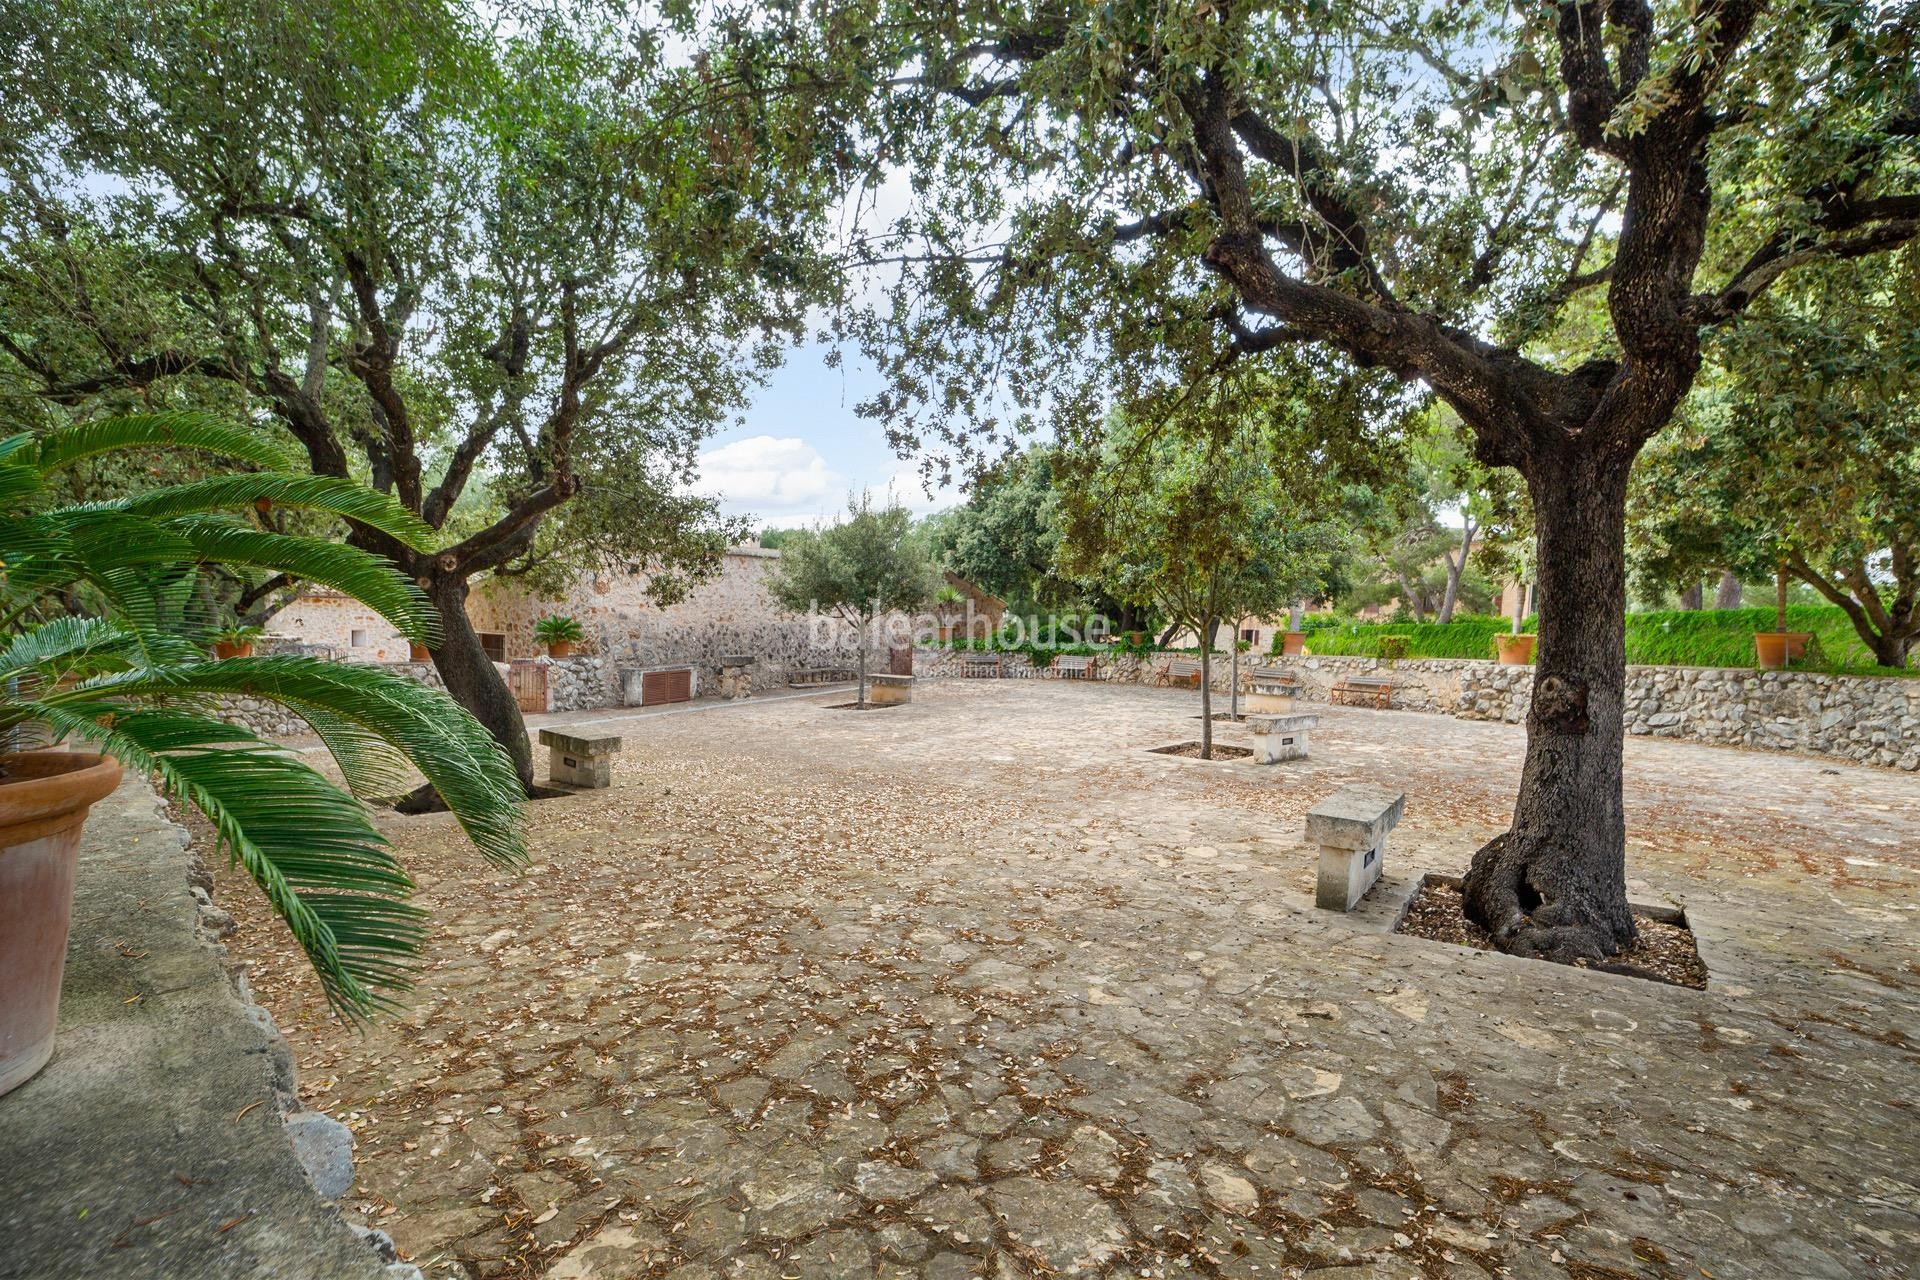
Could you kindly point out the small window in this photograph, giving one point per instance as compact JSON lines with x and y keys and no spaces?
{"x":1251,"y":635}
{"x":494,"y":645}
{"x":358,"y":639}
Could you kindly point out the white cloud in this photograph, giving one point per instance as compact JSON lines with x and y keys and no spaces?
{"x":782,"y":478}
{"x":907,"y":488}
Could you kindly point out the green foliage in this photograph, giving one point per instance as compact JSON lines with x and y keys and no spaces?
{"x":130,"y":679}
{"x":558,"y":628}
{"x":858,"y":567}
{"x":1680,"y":637}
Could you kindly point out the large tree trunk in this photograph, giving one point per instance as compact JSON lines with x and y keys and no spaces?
{"x":474,"y":682}
{"x":1555,"y":885}
{"x":1727,"y":594}
{"x":1694,"y":596}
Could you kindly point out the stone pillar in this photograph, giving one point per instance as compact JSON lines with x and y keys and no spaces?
{"x":736,"y":675}
{"x":1281,"y":737}
{"x":579,"y":762}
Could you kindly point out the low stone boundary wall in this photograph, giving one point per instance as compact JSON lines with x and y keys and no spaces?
{"x":1867,"y":719}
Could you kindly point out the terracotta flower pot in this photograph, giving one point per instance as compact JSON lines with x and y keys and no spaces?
{"x":1797,"y":642}
{"x":1136,"y":638}
{"x":1293,"y":643}
{"x":44,"y":798}
{"x":233,"y":648}
{"x":419,"y":653}
{"x":1772,"y":649}
{"x":559,"y":648}
{"x":1515,"y":651}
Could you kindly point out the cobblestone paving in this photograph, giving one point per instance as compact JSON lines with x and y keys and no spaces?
{"x":979,"y":987}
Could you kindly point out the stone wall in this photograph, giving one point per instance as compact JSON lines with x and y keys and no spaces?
{"x":733,"y":613}
{"x":271,"y":720}
{"x":1869,"y":719}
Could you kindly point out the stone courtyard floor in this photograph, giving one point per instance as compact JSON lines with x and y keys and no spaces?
{"x":980,"y":987}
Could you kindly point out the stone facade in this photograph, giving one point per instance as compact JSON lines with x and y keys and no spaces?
{"x":732,"y":614}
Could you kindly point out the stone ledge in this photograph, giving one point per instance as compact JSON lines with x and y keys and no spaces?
{"x":155,"y":1143}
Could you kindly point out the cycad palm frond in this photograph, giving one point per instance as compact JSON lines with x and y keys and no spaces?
{"x":136,"y":685}
{"x":175,"y":430}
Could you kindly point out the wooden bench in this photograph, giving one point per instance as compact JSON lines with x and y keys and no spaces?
{"x":1374,"y":690}
{"x":1351,"y":827}
{"x":802,"y":677}
{"x":1075,"y":667}
{"x":980,"y":666}
{"x":1183,"y":671}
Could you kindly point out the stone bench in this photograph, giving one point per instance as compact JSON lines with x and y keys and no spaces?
{"x":1281,"y":737}
{"x":1351,"y":827}
{"x":579,"y":762}
{"x":889,"y":690}
{"x":1272,"y":691}
{"x":736,"y":675}
{"x":804,"y":677}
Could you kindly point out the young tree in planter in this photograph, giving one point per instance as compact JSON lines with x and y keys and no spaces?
{"x":857,"y":569}
{"x":1207,"y":527}
{"x":444,"y":259}
{"x":1114,"y":196}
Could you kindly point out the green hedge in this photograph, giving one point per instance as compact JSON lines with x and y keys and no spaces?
{"x":1680,"y":638}
{"x":1461,"y":638}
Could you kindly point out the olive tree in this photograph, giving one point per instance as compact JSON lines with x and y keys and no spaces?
{"x":495,"y":271}
{"x":856,"y":569}
{"x":1113,"y":198}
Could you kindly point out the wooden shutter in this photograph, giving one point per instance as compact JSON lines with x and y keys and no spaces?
{"x":665,"y":686}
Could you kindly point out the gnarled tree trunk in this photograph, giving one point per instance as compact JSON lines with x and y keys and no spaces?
{"x":473,"y":681}
{"x":1694,"y":596}
{"x":1727,"y":594}
{"x":1555,"y":884}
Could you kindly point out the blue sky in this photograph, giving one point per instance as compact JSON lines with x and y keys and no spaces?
{"x":801,"y":448}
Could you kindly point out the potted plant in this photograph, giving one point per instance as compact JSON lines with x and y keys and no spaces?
{"x":236,"y":642}
{"x":1777,"y":648}
{"x":1514,"y":649}
{"x":1293,"y":643}
{"x":559,"y":633}
{"x":93,"y":653}
{"x":417,"y":652}
{"x":948,"y":603}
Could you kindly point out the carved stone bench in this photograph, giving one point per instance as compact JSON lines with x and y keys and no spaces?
{"x":1272,"y":691}
{"x":889,"y":690}
{"x":1281,"y":737}
{"x":1351,"y":827}
{"x":579,"y":762}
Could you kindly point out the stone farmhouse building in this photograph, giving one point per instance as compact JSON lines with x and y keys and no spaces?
{"x":731,"y":613}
